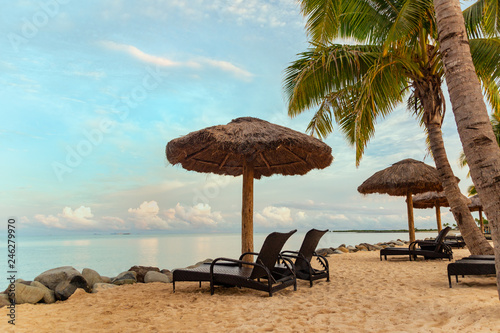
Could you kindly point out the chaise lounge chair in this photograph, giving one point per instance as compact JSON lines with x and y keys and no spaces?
{"x":303,"y":268}
{"x":240,"y":273}
{"x":470,"y":266}
{"x":455,"y":241}
{"x":428,"y":249}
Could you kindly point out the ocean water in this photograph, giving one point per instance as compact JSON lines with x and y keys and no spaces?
{"x":111,"y":254}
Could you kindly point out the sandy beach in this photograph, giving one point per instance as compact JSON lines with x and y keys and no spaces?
{"x":364,"y":295}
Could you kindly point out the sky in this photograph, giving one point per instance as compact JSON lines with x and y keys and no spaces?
{"x":92,"y":91}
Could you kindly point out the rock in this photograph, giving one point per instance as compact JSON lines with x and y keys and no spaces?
{"x":199,"y":263}
{"x":53,"y":277}
{"x":324,"y":252}
{"x":28,"y":294}
{"x":49,"y":295}
{"x":342,"y":245}
{"x":337,"y":251}
{"x":4,"y":300}
{"x":399,"y":243}
{"x":350,"y":247}
{"x":64,"y":290}
{"x":102,"y":286}
{"x":371,"y":247}
{"x":91,"y":276}
{"x":153,"y":276}
{"x":167,"y":273}
{"x":142,"y":270}
{"x":361,"y":248}
{"x":342,"y":249}
{"x":106,"y":279}
{"x":128,"y":277}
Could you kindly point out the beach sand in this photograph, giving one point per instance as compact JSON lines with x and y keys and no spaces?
{"x":364,"y":295}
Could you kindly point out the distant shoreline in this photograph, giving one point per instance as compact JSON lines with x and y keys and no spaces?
{"x":383,"y":231}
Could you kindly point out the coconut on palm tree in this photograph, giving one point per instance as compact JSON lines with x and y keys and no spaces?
{"x":394,"y":57}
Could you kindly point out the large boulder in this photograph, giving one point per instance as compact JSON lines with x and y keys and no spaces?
{"x":53,"y":277}
{"x":199,"y":263}
{"x":91,"y":276}
{"x":168,"y":274}
{"x":342,"y":249}
{"x":105,"y":279}
{"x":63,"y":281}
{"x":28,"y":294}
{"x":153,"y":276}
{"x":142,"y":271}
{"x":49,"y":295}
{"x":128,"y":277}
{"x":4,"y":300}
{"x":102,"y":286}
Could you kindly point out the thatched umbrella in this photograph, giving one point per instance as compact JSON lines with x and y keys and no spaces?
{"x":253,"y":148}
{"x":476,"y":205}
{"x":430,"y":200}
{"x":404,"y":178}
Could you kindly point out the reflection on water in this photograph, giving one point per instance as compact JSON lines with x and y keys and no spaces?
{"x":111,"y":254}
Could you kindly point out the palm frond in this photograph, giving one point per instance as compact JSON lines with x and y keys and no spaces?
{"x":323,"y":70}
{"x":409,"y":20}
{"x":486,"y":58}
{"x":473,"y":17}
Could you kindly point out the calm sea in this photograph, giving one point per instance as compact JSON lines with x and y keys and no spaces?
{"x":112,"y":254}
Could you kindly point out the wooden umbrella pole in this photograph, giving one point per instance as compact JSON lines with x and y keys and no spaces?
{"x":411,"y":224}
{"x":438,"y":217}
{"x":247,"y":211}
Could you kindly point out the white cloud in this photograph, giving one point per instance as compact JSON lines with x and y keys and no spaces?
{"x":149,"y":216}
{"x":165,"y":62}
{"x":79,"y":219}
{"x":140,"y":55}
{"x":274,"y":216}
{"x":229,"y":67}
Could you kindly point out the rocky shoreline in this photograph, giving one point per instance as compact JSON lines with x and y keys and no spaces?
{"x":58,"y":284}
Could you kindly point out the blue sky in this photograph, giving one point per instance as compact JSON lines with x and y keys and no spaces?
{"x":93,"y":91}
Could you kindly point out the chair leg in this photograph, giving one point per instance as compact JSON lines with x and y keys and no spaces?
{"x":173,"y":286}
{"x":449,"y":280}
{"x":200,"y":284}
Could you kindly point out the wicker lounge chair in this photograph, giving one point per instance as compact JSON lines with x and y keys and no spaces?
{"x":232,"y":272}
{"x":455,"y":241}
{"x":303,"y":268}
{"x":428,"y":249}
{"x":470,"y":267}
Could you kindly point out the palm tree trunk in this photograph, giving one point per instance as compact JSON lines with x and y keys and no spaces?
{"x":475,"y":240}
{"x":474,"y":127}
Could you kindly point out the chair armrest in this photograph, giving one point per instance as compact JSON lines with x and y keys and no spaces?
{"x":240,"y":262}
{"x":322,"y":260}
{"x":245,"y":253}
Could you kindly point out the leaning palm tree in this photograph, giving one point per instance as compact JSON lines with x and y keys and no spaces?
{"x":462,"y":160}
{"x":393,"y":57}
{"x":471,"y":116}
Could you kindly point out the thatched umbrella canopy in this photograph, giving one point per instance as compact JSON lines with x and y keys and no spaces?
{"x":430,"y":200}
{"x":253,"y":148}
{"x":476,"y":205}
{"x":404,"y":178}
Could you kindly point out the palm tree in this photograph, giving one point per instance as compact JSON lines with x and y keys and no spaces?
{"x":478,"y":140}
{"x":462,"y":160}
{"x":393,"y":57}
